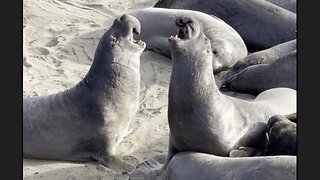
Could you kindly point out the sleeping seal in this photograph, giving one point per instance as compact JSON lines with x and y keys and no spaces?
{"x":257,"y":78}
{"x":266,"y":56}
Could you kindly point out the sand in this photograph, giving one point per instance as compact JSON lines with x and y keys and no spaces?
{"x":59,"y":41}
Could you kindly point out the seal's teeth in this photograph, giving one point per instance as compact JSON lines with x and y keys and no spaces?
{"x":176,"y":36}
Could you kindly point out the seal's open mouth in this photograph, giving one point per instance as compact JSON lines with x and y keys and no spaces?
{"x":136,"y":30}
{"x":125,"y":27}
{"x":186,"y":29}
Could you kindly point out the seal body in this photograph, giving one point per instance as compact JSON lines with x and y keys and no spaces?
{"x":200,"y":166}
{"x":290,"y":5}
{"x":157,"y":24}
{"x":89,"y":120}
{"x":267,"y":56}
{"x":261,"y":24}
{"x":257,"y":78}
{"x":200,"y":117}
{"x":282,"y":133}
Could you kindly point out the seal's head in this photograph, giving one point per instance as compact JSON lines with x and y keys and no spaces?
{"x":190,"y":40}
{"x":121,"y":34}
{"x":117,"y":44}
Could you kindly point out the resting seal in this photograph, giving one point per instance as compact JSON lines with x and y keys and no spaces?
{"x":89,"y":120}
{"x":200,"y":117}
{"x":257,"y":78}
{"x":157,"y":24}
{"x":200,"y":166}
{"x":266,"y":56}
{"x":282,"y":133}
{"x":261,"y":24}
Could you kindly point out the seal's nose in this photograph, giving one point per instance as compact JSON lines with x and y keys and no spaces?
{"x":132,"y":23}
{"x":182,"y":21}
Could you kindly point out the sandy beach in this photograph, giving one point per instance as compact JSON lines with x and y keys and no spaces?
{"x":59,"y":41}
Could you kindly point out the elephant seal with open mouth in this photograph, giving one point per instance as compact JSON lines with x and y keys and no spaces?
{"x":260,"y":23}
{"x":89,"y":120}
{"x":157,"y":24}
{"x":200,"y":117}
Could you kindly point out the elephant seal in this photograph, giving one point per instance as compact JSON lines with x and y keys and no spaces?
{"x":201,"y":166}
{"x":260,"y":23}
{"x":227,"y":45}
{"x":89,"y":120}
{"x":201,"y":118}
{"x":266,"y":56}
{"x":257,"y":78}
{"x":290,"y":5}
{"x":282,"y":133}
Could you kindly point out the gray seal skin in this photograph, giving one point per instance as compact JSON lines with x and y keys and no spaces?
{"x":290,"y":5}
{"x":201,"y":118}
{"x":200,"y":166}
{"x":157,"y":24}
{"x":266,"y":56}
{"x":257,"y":78}
{"x":89,"y":120}
{"x":260,"y":23}
{"x":282,"y":133}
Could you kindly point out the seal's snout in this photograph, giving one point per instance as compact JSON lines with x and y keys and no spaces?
{"x":132,"y":22}
{"x":187,"y":26}
{"x":183,"y":21}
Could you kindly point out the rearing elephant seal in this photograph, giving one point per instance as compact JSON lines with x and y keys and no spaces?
{"x":89,"y":120}
{"x":227,"y":45}
{"x":260,"y":23}
{"x":201,"y":166}
{"x":201,"y":118}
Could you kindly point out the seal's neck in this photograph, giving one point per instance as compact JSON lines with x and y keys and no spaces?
{"x":111,"y":71}
{"x":194,"y":77}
